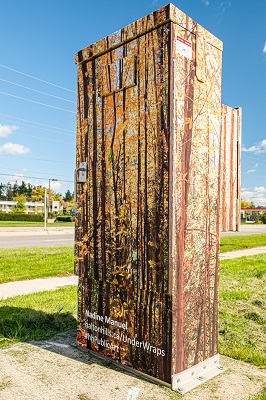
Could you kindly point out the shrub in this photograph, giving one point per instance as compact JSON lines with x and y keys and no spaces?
{"x":21,"y":217}
{"x":263,"y":217}
{"x":64,"y":218}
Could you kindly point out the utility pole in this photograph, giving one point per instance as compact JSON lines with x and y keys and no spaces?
{"x":45,"y":208}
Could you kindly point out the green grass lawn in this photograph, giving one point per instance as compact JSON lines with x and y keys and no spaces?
{"x":260,"y":397}
{"x":38,"y":262}
{"x":12,"y":224}
{"x":230,"y":243}
{"x":38,"y":315}
{"x":242,"y":307}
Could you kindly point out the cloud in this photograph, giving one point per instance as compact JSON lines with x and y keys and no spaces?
{"x":256,"y":149}
{"x":264,"y":48}
{"x":14,"y":149}
{"x":257,"y":195}
{"x":206,"y":2}
{"x":6,"y":130}
{"x":54,"y":185}
{"x":224,"y":5}
{"x":250,"y":171}
{"x":260,"y":189}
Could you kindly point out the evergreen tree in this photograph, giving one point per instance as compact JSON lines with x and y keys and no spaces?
{"x":68,"y":196}
{"x":14,"y":189}
{"x":2,"y":191}
{"x":25,"y":189}
{"x":9,"y":191}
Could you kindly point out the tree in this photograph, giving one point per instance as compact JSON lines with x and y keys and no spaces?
{"x":37,"y":194}
{"x":246,"y":204}
{"x":68,"y":196}
{"x":2,"y":190}
{"x":8,"y":191}
{"x":25,"y":189}
{"x":20,"y":207}
{"x":263,"y":217}
{"x":15,"y":191}
{"x":55,"y":196}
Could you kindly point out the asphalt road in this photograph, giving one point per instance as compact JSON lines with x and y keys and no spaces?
{"x":35,"y":238}
{"x":248,"y":229}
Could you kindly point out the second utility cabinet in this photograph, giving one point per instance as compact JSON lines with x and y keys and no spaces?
{"x":147,"y":231}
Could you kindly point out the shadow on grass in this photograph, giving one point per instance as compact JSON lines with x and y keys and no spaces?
{"x":25,"y":324}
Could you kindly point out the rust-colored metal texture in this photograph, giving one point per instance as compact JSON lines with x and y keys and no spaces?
{"x":147,"y":228}
{"x":230,"y":169}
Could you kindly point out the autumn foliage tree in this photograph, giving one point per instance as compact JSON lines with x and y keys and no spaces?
{"x":20,"y":207}
{"x":247,"y":204}
{"x":38,"y":194}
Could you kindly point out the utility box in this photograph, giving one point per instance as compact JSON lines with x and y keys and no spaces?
{"x":148,"y":198}
{"x":230,"y":169}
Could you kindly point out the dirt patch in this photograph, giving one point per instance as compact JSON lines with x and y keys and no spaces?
{"x":55,"y":369}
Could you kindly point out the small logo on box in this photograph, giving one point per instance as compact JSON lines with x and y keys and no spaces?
{"x":184,"y":47}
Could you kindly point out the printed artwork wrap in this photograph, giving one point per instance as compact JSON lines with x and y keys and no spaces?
{"x":194,"y":230}
{"x":147,"y":228}
{"x":122,"y":228}
{"x":230,"y":170}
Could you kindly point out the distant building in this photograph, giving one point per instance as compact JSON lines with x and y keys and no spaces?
{"x":7,"y":206}
{"x":54,"y":206}
{"x":31,"y":207}
{"x":252,"y":213}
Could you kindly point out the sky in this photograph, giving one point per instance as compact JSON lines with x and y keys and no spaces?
{"x":38,"y":80}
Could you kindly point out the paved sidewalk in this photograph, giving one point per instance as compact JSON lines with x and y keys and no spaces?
{"x":16,"y":231}
{"x":17,"y":288}
{"x":243,"y":253}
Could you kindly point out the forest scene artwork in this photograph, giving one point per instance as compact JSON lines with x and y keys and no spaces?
{"x":147,"y":217}
{"x":125,"y":248}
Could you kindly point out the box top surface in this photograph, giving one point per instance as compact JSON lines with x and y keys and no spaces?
{"x":164,"y":15}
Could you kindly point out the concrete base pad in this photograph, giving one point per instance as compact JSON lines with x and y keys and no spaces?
{"x":56,"y":370}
